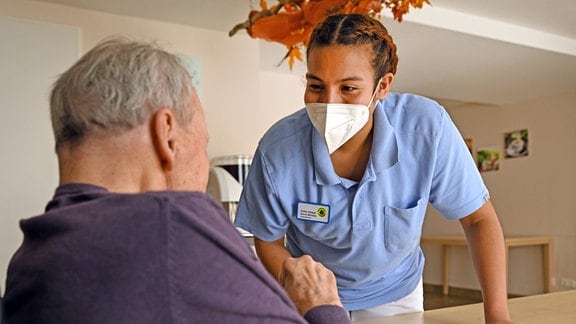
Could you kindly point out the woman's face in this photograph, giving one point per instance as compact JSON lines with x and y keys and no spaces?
{"x":340,"y":74}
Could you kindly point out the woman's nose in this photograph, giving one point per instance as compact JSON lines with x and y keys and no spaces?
{"x":331,"y":96}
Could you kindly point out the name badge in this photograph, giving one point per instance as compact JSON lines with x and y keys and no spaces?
{"x":313,"y":212}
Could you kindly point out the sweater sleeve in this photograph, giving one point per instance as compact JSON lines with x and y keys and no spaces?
{"x":327,"y":314}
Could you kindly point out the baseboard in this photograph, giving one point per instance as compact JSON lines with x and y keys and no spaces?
{"x":453,"y":291}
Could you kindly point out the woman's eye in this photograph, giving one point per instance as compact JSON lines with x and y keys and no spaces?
{"x":349,"y":89}
{"x":315,"y":87}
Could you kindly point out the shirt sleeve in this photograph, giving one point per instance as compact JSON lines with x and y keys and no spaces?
{"x":259,"y":210}
{"x":457,"y":187}
{"x":327,"y":314}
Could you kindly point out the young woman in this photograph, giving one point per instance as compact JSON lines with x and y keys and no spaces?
{"x":347,"y":179}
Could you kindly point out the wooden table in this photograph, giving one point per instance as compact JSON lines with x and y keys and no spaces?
{"x":550,"y":308}
{"x":448,"y":241}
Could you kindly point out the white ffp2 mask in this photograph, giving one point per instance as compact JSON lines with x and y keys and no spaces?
{"x":338,"y":122}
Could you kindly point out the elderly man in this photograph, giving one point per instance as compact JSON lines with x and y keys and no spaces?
{"x":129,"y":236}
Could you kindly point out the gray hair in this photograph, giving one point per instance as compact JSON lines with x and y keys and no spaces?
{"x":115,"y":87}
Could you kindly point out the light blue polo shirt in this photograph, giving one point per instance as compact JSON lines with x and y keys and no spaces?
{"x":367,"y":232}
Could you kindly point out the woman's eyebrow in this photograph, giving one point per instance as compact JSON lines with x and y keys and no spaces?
{"x":353,"y":78}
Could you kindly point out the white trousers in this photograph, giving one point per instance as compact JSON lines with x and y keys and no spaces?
{"x":412,"y":303}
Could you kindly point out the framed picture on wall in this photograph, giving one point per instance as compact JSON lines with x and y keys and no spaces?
{"x":516,"y":143}
{"x":488,"y":159}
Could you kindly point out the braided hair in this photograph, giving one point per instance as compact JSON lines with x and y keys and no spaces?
{"x":357,"y":30}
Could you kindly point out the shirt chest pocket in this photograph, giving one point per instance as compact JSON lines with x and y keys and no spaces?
{"x":403,"y":226}
{"x":335,"y":234}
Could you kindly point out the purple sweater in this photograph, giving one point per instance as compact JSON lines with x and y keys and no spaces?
{"x":155,"y":257}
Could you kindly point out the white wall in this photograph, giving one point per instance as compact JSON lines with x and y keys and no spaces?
{"x":280,"y":95}
{"x":230,"y":65}
{"x":29,"y":63}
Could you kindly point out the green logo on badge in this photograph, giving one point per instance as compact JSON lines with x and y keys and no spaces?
{"x":322,"y":212}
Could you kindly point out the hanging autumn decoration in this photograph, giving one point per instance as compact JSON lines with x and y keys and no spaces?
{"x":290,"y":22}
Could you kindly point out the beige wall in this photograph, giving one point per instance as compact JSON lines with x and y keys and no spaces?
{"x":532,"y":194}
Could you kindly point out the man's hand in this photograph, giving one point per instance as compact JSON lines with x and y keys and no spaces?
{"x":308,"y":283}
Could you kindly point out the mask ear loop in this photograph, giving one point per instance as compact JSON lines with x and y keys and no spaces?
{"x":374,"y":93}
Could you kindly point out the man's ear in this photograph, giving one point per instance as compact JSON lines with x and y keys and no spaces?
{"x":163,"y":129}
{"x":385,"y":85}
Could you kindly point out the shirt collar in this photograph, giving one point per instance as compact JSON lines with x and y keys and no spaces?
{"x":384,"y":152}
{"x":323,"y":169}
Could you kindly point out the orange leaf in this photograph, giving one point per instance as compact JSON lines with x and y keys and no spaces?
{"x":294,"y":53}
{"x":401,"y":7}
{"x":316,"y":11}
{"x":368,"y":7}
{"x":282,"y":28}
{"x":263,"y":5}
